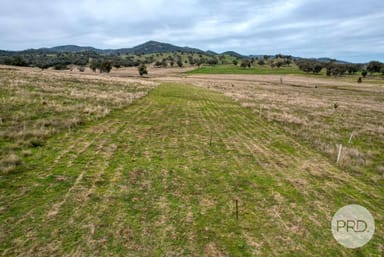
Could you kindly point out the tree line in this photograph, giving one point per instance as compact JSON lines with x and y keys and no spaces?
{"x":333,"y":68}
{"x":105,"y":63}
{"x":99,"y":62}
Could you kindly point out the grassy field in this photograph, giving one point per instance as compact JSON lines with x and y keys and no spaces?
{"x":375,"y":78}
{"x":305,"y":109}
{"x":232,"y":69}
{"x":161,"y":177}
{"x":35,"y":105}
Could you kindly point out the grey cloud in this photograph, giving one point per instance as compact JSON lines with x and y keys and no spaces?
{"x":348,"y":30}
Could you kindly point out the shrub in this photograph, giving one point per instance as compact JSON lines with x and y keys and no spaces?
{"x":374,"y":67}
{"x":94,"y":65}
{"x":142,"y":69}
{"x":60,"y":66}
{"x":36,"y":142}
{"x":105,"y":66}
{"x":245,"y":63}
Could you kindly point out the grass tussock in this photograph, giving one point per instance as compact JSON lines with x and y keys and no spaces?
{"x":10,"y":163}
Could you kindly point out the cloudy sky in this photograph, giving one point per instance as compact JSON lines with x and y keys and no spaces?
{"x":351,"y":30}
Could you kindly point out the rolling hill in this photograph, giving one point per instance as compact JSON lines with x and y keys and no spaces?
{"x":149,"y":47}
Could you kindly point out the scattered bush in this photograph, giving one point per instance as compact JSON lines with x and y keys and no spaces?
{"x":308,"y":66}
{"x":336,"y":69}
{"x":105,"y":66}
{"x":142,"y":69}
{"x":60,"y":66}
{"x":36,"y":142}
{"x":245,"y":63}
{"x":374,"y":67}
{"x":179,"y":63}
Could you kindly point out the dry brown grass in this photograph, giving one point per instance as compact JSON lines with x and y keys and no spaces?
{"x":305,"y":108}
{"x":9,"y":162}
{"x":35,"y":105}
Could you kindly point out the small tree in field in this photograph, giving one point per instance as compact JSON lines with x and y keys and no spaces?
{"x":142,"y":69}
{"x":261,"y":62}
{"x":105,"y":66}
{"x":245,"y":64}
{"x":94,"y":65}
{"x":374,"y":67}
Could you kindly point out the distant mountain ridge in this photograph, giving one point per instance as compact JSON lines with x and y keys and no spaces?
{"x":70,"y":49}
{"x":235,"y":54}
{"x":149,"y":47}
{"x":327,"y":59}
